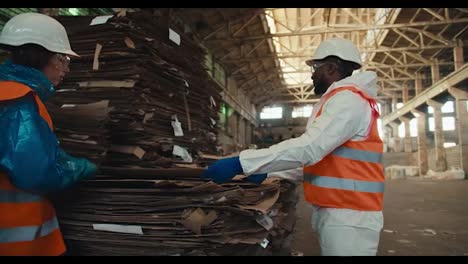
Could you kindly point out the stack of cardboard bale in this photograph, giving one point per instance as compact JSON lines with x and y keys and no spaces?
{"x":140,"y":103}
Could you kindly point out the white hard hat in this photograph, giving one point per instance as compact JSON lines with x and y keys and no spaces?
{"x":341,"y":48}
{"x":37,"y":29}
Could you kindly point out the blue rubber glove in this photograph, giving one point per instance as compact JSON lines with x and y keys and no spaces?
{"x":257,"y":178}
{"x":224,"y":170}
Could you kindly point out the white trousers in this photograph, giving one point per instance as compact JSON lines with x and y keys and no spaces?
{"x":346,"y":232}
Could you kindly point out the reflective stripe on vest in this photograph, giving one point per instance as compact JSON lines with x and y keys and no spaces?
{"x":27,"y":233}
{"x":9,"y":196}
{"x":344,"y":184}
{"x":351,"y":176}
{"x":28,"y":223}
{"x":356,"y":154}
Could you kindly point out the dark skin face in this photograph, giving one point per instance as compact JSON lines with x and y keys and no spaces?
{"x":324,"y":75}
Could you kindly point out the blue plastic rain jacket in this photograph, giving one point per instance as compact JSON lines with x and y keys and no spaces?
{"x":29,"y":151}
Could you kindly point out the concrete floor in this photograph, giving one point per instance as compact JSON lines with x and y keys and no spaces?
{"x":422,"y":218}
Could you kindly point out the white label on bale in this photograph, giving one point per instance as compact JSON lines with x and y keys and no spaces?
{"x":129,"y":229}
{"x":174,"y":36}
{"x":178,"y":132}
{"x":65,"y":90}
{"x":273,"y":212}
{"x":100,"y":20}
{"x":67,"y":106}
{"x":265,"y":221}
{"x":183,"y":153}
{"x":212,"y":101}
{"x":213,"y":121}
{"x":264,"y":243}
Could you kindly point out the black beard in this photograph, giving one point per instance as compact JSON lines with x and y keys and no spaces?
{"x":320,"y":89}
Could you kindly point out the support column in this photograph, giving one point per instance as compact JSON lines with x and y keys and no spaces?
{"x":386,"y":137}
{"x":418,"y":83}
{"x":407,"y":143}
{"x":441,"y":159}
{"x":233,"y":125}
{"x":394,"y":141}
{"x":388,"y":105}
{"x":240,"y":131}
{"x":384,"y":111}
{"x":405,"y":94}
{"x":435,"y":72}
{"x":422,"y":146}
{"x":458,"y":55}
{"x":461,"y":123}
{"x":394,"y":103}
{"x":248,"y":134}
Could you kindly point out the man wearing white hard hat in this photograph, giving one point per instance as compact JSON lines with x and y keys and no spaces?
{"x":32,"y":162}
{"x":338,"y":157}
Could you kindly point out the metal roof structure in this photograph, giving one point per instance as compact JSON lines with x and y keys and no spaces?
{"x":265,"y":49}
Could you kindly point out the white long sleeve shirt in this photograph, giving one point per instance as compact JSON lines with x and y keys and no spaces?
{"x":345,"y":116}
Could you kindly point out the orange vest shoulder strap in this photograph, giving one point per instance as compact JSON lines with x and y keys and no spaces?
{"x":14,"y":90}
{"x":371,"y":100}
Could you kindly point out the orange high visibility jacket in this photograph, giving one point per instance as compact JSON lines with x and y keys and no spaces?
{"x":352,"y":175}
{"x":28,"y":223}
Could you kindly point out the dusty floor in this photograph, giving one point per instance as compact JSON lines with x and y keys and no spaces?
{"x":422,"y":218}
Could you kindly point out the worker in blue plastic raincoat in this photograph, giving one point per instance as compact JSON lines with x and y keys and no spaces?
{"x":32,"y":162}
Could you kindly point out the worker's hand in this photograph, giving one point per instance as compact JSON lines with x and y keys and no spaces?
{"x":224,"y":170}
{"x":257,"y":178}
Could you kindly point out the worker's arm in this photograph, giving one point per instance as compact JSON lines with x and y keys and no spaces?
{"x":292,"y":174}
{"x":30,"y":153}
{"x":344,"y":115}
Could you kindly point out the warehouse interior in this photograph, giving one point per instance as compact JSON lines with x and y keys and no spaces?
{"x":158,"y":94}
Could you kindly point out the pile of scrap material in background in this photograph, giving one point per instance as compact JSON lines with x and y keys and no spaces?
{"x":140,"y":103}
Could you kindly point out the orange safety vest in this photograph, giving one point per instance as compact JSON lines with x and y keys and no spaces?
{"x":352,"y":175}
{"x":28,"y":223}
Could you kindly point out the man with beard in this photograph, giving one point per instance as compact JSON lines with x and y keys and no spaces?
{"x":339,"y":155}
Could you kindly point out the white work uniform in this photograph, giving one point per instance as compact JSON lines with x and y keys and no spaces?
{"x":345,"y":116}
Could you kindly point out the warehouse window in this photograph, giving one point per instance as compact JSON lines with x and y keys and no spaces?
{"x":431,"y":124}
{"x":446,"y":108}
{"x":209,"y":64}
{"x":448,"y":123}
{"x":215,"y":70}
{"x":302,"y":111}
{"x":223,"y":116}
{"x":271,"y":113}
{"x":449,"y":144}
{"x":379,"y":122}
{"x":413,"y":125}
{"x":379,"y":127}
{"x":219,"y":74}
{"x":401,"y":130}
